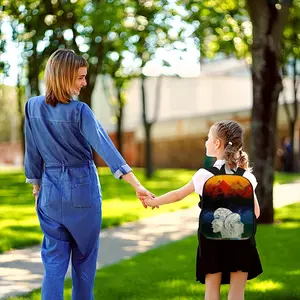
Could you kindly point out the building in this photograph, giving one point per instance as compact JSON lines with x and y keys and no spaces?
{"x":187,"y":109}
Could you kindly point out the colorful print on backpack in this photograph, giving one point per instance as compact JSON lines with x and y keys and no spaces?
{"x":227,"y":207}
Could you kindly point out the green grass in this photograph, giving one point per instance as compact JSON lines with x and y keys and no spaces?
{"x":19,"y":225}
{"x":281,"y":177}
{"x":168,"y":272}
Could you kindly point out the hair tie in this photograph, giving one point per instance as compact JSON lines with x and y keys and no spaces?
{"x":229,"y":143}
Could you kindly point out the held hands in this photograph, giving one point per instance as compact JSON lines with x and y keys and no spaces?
{"x":149,"y":202}
{"x":144,"y":194}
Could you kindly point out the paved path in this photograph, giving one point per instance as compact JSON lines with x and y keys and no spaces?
{"x":21,"y":270}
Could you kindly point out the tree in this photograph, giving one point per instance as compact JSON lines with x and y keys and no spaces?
{"x":115,"y":70}
{"x":149,"y":32}
{"x":224,"y":26}
{"x":268,"y":27}
{"x":291,"y":51}
{"x":44,"y":26}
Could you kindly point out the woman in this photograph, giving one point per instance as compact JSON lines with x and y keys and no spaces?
{"x":59,"y":133}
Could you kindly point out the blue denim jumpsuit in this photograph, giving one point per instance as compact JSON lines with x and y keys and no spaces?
{"x":58,"y":157}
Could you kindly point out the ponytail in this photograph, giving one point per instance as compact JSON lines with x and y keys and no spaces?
{"x":236,"y":158}
{"x":243,"y":160}
{"x":231,"y":134}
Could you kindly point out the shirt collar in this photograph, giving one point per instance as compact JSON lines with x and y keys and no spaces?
{"x":219,"y":163}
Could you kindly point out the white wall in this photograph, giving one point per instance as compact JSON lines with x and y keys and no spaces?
{"x":181,"y":99}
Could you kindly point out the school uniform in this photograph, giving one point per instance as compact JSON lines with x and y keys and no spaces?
{"x":224,"y":256}
{"x":58,"y":157}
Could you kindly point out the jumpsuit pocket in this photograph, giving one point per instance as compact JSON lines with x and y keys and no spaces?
{"x":44,"y":199}
{"x":81,"y":195}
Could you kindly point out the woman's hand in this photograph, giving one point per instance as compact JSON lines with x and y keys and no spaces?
{"x":35,"y":193}
{"x":149,"y":201}
{"x":142,"y":193}
{"x":36,"y":198}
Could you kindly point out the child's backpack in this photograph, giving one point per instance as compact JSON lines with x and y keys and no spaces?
{"x":227,"y":204}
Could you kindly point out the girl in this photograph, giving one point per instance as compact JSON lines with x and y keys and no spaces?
{"x":59,"y":133}
{"x":221,"y":261}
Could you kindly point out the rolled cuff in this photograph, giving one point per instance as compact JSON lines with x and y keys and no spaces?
{"x":34,"y":181}
{"x":125,"y":169}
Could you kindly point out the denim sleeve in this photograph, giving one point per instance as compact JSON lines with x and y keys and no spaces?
{"x":33,"y":162}
{"x":97,"y":137}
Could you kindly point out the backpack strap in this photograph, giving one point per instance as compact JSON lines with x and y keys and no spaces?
{"x":213,"y":170}
{"x":216,"y":171}
{"x":222,"y":170}
{"x":240,"y":171}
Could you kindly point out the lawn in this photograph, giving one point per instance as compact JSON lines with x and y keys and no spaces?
{"x":168,"y":272}
{"x":19,"y":225}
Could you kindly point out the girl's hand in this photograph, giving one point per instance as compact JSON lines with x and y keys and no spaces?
{"x":150,"y":202}
{"x":142,"y":194}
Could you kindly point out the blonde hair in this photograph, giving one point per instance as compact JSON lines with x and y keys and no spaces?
{"x":231,"y":134}
{"x":60,"y":75}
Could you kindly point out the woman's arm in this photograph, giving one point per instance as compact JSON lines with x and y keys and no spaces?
{"x":141,"y":192}
{"x":33,"y":162}
{"x":172,"y":196}
{"x":98,"y":138}
{"x":256,"y":207}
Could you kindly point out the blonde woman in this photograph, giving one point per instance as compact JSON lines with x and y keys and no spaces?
{"x":59,"y":133}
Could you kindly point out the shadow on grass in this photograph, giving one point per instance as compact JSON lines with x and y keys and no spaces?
{"x":18,"y":237}
{"x":168,"y":272}
{"x":116,"y":221}
{"x":289,"y":213}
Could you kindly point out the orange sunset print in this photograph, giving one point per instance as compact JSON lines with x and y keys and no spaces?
{"x":229,"y":187}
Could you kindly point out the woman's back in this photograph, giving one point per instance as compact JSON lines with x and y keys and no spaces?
{"x":57,"y":131}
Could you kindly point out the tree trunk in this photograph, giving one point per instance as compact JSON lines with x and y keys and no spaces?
{"x":93,"y":71}
{"x":22,"y":120}
{"x":120,"y":120}
{"x":267,"y":31}
{"x":33,"y":74}
{"x":147,"y":127}
{"x":86,"y":93}
{"x":148,"y":148}
{"x":295,"y":153}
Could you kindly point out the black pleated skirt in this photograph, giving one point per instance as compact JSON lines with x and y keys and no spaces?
{"x":214,"y":256}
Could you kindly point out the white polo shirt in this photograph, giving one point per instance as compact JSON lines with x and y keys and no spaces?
{"x":202,"y":175}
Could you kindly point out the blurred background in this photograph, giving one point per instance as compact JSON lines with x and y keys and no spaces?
{"x":161,"y":72}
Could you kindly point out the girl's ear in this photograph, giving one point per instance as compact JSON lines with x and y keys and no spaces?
{"x":218,"y":143}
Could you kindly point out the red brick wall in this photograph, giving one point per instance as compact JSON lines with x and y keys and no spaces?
{"x":129,"y":149}
{"x":11,"y":153}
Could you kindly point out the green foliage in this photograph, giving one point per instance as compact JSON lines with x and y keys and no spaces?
{"x":291,"y":36}
{"x":225,"y":27}
{"x":168,"y":272}
{"x":106,"y":33}
{"x":221,"y":26}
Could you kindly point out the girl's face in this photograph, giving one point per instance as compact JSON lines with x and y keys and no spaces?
{"x":211,"y":144}
{"x":80,"y":80}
